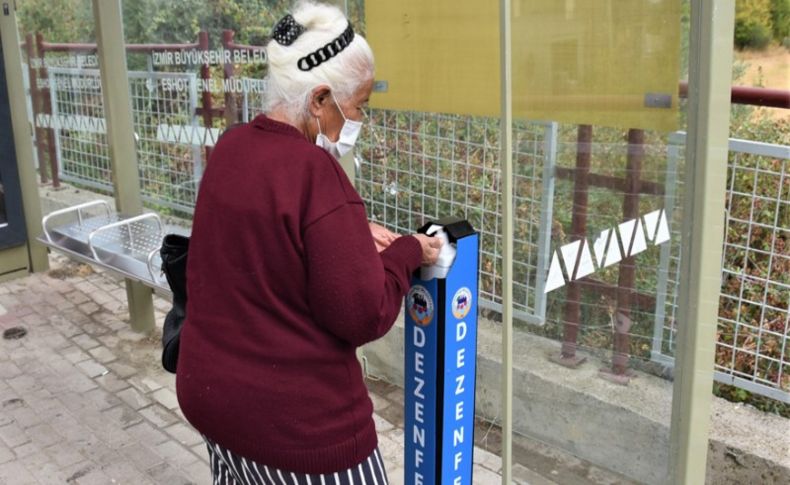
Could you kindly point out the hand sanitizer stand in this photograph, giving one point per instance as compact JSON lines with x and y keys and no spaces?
{"x":441,"y":354}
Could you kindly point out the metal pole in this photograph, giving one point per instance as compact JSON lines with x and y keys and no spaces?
{"x":120,"y":139}
{"x":35,"y":95}
{"x":231,"y":106}
{"x":12,"y":58}
{"x":626,"y":281}
{"x":710,"y":67}
{"x":506,"y":157}
{"x":581,"y":190}
{"x":208,"y":106}
{"x":46,"y":98}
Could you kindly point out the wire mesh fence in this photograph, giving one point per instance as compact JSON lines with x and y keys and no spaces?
{"x":753,"y":344}
{"x":419,"y":167}
{"x":77,"y":120}
{"x":414,"y":167}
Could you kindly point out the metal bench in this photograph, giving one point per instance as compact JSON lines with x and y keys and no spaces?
{"x":94,"y":233}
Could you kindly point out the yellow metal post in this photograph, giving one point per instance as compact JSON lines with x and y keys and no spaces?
{"x":506,"y":157}
{"x":120,"y":138}
{"x":710,"y":68}
{"x":23,"y":135}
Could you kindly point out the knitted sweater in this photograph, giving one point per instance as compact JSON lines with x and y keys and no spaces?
{"x":284,"y":283}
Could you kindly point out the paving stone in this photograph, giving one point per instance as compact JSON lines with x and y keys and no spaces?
{"x":199,"y":472}
{"x":122,"y":370}
{"x":111,"y":382}
{"x":43,"y":435}
{"x":175,"y":453}
{"x":159,"y":416}
{"x":382,"y":424}
{"x":23,"y":384}
{"x":133,"y":398}
{"x":64,"y":454}
{"x":110,"y":340}
{"x":74,"y":354}
{"x":13,"y":436}
{"x":91,"y":368}
{"x":42,"y":467}
{"x":166,"y":398}
{"x":123,"y":415}
{"x":488,"y":460}
{"x":524,"y":476}
{"x":200,"y":451}
{"x":85,"y":342}
{"x":145,"y":433}
{"x":95,"y":477}
{"x":184,"y":434}
{"x":74,"y":472}
{"x":166,"y":473}
{"x":141,"y":455}
{"x":102,"y":354}
{"x":28,"y":448}
{"x":76,"y":297}
{"x":6,"y":454}
{"x":14,"y":472}
{"x":26,"y":417}
{"x":102,"y":399}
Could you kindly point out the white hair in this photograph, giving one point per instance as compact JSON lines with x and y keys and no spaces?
{"x":288,"y":88}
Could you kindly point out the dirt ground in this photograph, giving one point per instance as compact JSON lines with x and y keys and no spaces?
{"x":769,"y":68}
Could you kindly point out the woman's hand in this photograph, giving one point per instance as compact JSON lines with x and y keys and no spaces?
{"x":430,"y":248}
{"x":382,"y":236}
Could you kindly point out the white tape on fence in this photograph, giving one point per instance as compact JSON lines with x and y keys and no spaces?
{"x":606,"y":248}
{"x":84,"y":124}
{"x":187,"y":135}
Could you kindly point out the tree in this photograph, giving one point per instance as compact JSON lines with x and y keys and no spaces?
{"x":58,"y":20}
{"x":753,"y":23}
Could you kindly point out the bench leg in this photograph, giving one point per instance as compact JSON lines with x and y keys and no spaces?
{"x":141,"y":306}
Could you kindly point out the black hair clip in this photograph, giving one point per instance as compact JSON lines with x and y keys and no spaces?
{"x":287,"y":30}
{"x":328,"y":51}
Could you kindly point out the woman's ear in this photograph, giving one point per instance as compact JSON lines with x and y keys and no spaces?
{"x":318,"y":100}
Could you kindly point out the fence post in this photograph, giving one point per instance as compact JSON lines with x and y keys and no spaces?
{"x":46,"y":101}
{"x":231,"y":106}
{"x":120,"y":139}
{"x":35,"y":102}
{"x":581,"y":185}
{"x":626,"y":281}
{"x":205,"y":75}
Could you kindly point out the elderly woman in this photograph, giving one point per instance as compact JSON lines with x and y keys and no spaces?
{"x":285,"y":280}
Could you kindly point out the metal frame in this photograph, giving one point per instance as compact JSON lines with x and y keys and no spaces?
{"x":710,"y":64}
{"x":93,"y":233}
{"x":120,"y":138}
{"x":12,"y":58}
{"x":506,"y":161}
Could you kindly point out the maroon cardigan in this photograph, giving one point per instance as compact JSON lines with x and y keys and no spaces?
{"x":284,"y":283}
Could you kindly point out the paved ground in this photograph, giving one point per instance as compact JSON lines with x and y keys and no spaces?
{"x":83,"y":399}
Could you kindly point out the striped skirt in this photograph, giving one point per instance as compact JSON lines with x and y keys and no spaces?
{"x":228,"y":468}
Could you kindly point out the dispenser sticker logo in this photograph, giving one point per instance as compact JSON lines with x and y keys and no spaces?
{"x":462,"y":302}
{"x":420,"y":305}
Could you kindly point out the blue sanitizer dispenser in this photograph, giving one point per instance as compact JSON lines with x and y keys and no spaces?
{"x":441,"y":356}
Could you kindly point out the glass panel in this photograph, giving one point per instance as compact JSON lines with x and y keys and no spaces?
{"x":597,"y":194}
{"x":597,"y":365}
{"x":599,"y":149}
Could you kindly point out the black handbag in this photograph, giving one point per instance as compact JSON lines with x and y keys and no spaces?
{"x":174,"y":265}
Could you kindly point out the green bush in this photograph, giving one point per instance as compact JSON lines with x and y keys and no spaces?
{"x":751,"y":35}
{"x":780,"y":16}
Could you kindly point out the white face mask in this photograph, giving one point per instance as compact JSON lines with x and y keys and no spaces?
{"x":346,"y":140}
